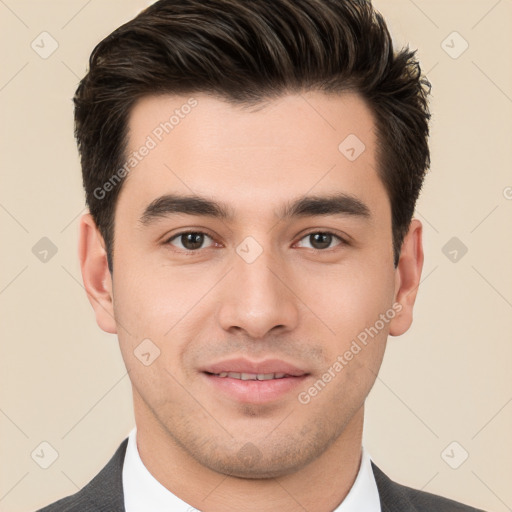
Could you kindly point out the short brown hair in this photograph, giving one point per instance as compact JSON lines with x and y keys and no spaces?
{"x":246,"y":52}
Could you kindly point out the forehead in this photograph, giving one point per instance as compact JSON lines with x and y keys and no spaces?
{"x":287,"y":120}
{"x":286,"y":146}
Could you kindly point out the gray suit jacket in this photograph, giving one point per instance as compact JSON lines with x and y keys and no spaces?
{"x":104,"y":493}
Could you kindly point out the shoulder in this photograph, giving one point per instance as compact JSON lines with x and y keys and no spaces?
{"x":396,"y":497}
{"x":103,"y":493}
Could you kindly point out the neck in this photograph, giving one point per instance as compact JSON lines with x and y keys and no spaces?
{"x":321,"y":485}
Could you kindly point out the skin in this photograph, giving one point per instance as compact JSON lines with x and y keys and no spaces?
{"x":291,"y":303}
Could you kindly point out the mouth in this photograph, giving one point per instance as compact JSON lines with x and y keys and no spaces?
{"x":251,"y":376}
{"x":254,"y":382}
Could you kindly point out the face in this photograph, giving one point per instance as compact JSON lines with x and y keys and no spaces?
{"x":241,"y":315}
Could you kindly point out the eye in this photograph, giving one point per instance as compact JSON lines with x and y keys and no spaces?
{"x":193,"y":241}
{"x":189,"y":240}
{"x":321,"y":240}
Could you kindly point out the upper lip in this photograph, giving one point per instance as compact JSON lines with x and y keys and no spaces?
{"x":241,"y":365}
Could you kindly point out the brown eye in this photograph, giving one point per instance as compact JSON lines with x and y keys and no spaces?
{"x":320,"y":240}
{"x":189,"y":240}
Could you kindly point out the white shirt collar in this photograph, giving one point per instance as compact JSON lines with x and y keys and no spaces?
{"x":143,"y":492}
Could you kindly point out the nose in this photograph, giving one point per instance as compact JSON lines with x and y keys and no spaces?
{"x":257,"y":298}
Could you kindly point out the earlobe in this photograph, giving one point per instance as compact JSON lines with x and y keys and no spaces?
{"x":408,"y":275}
{"x":95,"y":273}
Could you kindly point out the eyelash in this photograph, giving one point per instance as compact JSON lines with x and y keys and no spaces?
{"x":198,"y":232}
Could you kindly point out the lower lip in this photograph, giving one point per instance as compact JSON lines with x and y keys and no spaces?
{"x":255,"y":391}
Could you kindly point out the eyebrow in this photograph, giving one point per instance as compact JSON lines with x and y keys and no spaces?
{"x":309,"y":206}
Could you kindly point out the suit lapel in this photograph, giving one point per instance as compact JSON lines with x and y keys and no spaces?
{"x":392,"y":498}
{"x":104,"y":492}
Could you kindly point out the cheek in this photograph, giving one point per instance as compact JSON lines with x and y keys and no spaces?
{"x":152,"y":301}
{"x":348,"y":299}
{"x":150,"y":309}
{"x":162,"y":305}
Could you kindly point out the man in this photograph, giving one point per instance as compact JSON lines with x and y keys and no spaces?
{"x":251,"y":170}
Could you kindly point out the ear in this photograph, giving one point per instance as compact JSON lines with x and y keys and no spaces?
{"x":95,"y":273}
{"x":407,"y":278}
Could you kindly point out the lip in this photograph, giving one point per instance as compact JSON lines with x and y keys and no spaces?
{"x":254,"y":391}
{"x":241,"y":365}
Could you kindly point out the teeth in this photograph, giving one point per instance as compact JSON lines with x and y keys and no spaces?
{"x":252,"y":376}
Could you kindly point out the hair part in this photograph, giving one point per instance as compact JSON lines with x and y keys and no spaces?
{"x":247,"y":53}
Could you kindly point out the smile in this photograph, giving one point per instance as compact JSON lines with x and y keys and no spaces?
{"x":251,"y":376}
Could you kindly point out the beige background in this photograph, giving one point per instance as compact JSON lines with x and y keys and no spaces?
{"x":448,"y":379}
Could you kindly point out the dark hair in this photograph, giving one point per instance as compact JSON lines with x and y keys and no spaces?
{"x":246,"y":52}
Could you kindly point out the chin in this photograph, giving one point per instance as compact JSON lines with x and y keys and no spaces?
{"x":258,"y":471}
{"x":251,"y":462}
